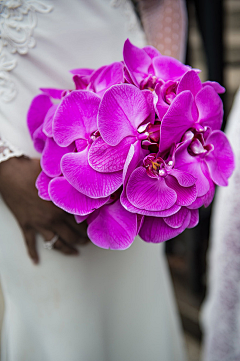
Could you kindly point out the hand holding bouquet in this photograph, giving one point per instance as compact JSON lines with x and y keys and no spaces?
{"x":135,"y":148}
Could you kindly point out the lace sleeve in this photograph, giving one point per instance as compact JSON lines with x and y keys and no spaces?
{"x":7,"y":150}
{"x":221,"y":310}
{"x":165,"y":24}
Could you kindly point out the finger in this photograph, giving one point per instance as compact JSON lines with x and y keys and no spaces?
{"x":30,"y":240}
{"x":59,"y":245}
{"x":66,"y":233}
{"x":80,"y":228}
{"x":64,"y":248}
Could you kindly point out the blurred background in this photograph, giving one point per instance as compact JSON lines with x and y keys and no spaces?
{"x":214,"y":47}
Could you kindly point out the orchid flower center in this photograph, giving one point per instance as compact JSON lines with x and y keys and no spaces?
{"x":149,"y":82}
{"x":170,"y":93}
{"x":198,"y":146}
{"x":156,"y":166}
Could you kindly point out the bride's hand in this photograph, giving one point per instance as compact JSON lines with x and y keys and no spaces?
{"x":34,"y":215}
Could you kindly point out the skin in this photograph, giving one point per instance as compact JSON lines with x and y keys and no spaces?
{"x":34,"y":215}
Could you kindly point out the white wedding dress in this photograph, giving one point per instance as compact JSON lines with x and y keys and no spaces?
{"x":102,"y":305}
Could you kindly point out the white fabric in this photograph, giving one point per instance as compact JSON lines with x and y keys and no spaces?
{"x":221,"y":310}
{"x":8,"y":150}
{"x":102,"y":305}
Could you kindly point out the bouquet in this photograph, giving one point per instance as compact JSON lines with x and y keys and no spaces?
{"x":134,"y":148}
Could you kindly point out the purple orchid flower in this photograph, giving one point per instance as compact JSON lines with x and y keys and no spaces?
{"x":207,"y":156}
{"x":146,"y":67}
{"x":194,"y":106}
{"x":76,"y":120}
{"x":157,"y":186}
{"x":122,"y":111}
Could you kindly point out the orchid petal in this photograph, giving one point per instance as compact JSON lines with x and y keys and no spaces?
{"x":39,"y":139}
{"x":151,"y":51}
{"x":47,"y":124}
{"x":210,"y":108}
{"x":80,"y":219}
{"x":53,"y":93}
{"x":132,"y":161}
{"x":105,"y":158}
{"x":113,"y":228}
{"x":131,"y":208}
{"x":194,"y":166}
{"x":177,"y":219}
{"x":70,"y":200}
{"x":194,"y":218}
{"x":167,"y":68}
{"x":85,"y":179}
{"x":82,"y":71}
{"x":42,"y":184}
{"x":52,"y":155}
{"x":105,"y":77}
{"x":37,"y":112}
{"x":155,"y":230}
{"x":161,"y":106}
{"x":122,"y":110}
{"x":177,"y":120}
{"x":76,"y":117}
{"x":190,"y":81}
{"x":149,"y":193}
{"x":216,"y":86}
{"x":220,"y":160}
{"x":185,"y":195}
{"x":137,"y":61}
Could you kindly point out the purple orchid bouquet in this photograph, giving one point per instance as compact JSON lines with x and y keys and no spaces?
{"x":135,"y":148}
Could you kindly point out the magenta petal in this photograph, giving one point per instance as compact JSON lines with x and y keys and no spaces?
{"x":190,"y":81}
{"x":113,"y":228}
{"x":208,"y":197}
{"x":52,"y":155}
{"x":105,"y":158}
{"x":185,"y":195}
{"x":131,"y":208}
{"x":137,"y":61}
{"x":184,"y":179}
{"x":39,"y":139}
{"x":85,"y":179}
{"x":177,"y":120}
{"x":132,"y":161}
{"x":177,"y":219}
{"x":210,"y":108}
{"x":48,"y":120}
{"x":167,"y":68}
{"x":220,"y":161}
{"x":160,"y":105}
{"x":149,"y":193}
{"x":82,"y":71}
{"x":122,"y":110}
{"x":151,"y":51}
{"x":155,"y":230}
{"x":53,"y":93}
{"x":70,"y":200}
{"x":80,"y":219}
{"x":37,"y":112}
{"x":42,"y":183}
{"x":105,"y":77}
{"x":76,"y":117}
{"x":194,"y":218}
{"x":216,"y":86}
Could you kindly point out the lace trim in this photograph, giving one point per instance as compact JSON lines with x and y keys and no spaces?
{"x":18,"y":20}
{"x":7,"y":150}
